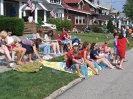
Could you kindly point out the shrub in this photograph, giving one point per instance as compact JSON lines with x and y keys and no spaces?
{"x":39,"y":22}
{"x":60,"y":23}
{"x":16,"y":24}
{"x":110,"y":26}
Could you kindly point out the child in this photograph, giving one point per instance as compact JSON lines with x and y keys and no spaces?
{"x":85,"y":54}
{"x":77,"y":62}
{"x":121,"y":48}
{"x":115,"y":48}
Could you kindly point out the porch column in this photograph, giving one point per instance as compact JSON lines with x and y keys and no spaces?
{"x":45,"y":18}
{"x":36,"y":15}
{"x":2,"y":7}
{"x":20,"y":9}
{"x":127,"y":22}
{"x":87,"y":20}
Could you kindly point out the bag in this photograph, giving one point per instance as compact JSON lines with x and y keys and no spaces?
{"x":84,"y":70}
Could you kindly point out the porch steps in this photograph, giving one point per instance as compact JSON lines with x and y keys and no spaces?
{"x":27,"y":31}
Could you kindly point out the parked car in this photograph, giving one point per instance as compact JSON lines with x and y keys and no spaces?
{"x":52,"y":26}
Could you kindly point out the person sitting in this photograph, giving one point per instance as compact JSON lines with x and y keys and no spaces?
{"x":94,"y":54}
{"x":75,"y":30}
{"x":74,"y":39}
{"x":11,"y":43}
{"x":77,"y":61}
{"x":65,"y":39}
{"x":69,"y":55}
{"x":31,"y":47}
{"x":107,"y":50}
{"x":53,"y":43}
{"x":85,"y":55}
{"x":4,"y":50}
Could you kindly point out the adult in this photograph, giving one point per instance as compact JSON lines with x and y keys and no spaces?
{"x":4,"y":50}
{"x":54,"y":43}
{"x":31,"y":47}
{"x":11,"y":43}
{"x":65,"y":39}
{"x":74,"y":39}
{"x":107,"y":50}
{"x":94,"y":54}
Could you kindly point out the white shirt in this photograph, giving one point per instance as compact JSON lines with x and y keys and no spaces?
{"x":10,"y":39}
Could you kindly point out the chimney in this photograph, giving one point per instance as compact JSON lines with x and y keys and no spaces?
{"x":98,"y":2}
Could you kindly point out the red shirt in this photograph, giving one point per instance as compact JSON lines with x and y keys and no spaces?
{"x":87,"y":53}
{"x":69,"y":58}
{"x":121,"y":43}
{"x":63,"y":35}
{"x":103,"y":46}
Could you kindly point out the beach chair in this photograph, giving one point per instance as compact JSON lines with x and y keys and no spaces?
{"x":65,"y":46}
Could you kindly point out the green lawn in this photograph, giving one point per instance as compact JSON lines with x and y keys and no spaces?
{"x":16,"y":85}
{"x":91,"y":37}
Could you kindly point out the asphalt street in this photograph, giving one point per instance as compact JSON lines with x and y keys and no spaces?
{"x":110,"y":84}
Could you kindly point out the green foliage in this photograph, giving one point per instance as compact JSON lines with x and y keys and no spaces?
{"x":128,"y":8}
{"x":16,"y":24}
{"x":2,"y":16}
{"x":39,"y":22}
{"x":110,"y":26}
{"x":60,"y":23}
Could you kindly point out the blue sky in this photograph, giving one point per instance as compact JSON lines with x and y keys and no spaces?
{"x":118,"y":4}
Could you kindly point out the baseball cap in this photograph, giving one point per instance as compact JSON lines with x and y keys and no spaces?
{"x":75,"y":44}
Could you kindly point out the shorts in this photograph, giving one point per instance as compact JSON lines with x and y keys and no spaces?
{"x":73,"y":66}
{"x":65,"y":41}
{"x":29,"y":49}
{"x":12,"y":46}
{"x":115,"y":51}
{"x":121,"y":52}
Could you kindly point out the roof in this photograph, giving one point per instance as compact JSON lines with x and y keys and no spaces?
{"x":51,"y":6}
{"x":105,"y":4}
{"x":114,"y":11}
{"x":104,"y":17}
{"x":71,"y":1}
{"x":75,"y":9}
{"x":93,"y":5}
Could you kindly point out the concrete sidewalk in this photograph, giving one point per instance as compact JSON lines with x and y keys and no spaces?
{"x":110,"y":84}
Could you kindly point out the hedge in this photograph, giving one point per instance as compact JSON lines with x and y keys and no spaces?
{"x":60,"y":23}
{"x":16,"y":24}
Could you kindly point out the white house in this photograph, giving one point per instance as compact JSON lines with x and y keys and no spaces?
{"x":42,"y":8}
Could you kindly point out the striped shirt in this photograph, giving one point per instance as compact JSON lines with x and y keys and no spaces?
{"x":28,"y":42}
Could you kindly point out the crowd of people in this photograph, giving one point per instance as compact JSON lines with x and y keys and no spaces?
{"x":76,"y":57}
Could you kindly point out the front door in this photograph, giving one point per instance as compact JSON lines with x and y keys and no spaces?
{"x":10,"y":8}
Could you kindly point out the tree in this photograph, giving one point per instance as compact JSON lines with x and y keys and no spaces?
{"x":128,"y":8}
{"x":110,"y":26}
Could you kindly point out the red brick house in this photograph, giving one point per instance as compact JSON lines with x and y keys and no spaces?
{"x":81,"y":12}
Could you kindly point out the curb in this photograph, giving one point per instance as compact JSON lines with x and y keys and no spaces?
{"x":64,"y":88}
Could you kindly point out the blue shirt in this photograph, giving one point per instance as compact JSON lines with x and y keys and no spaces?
{"x":93,"y":54}
{"x":115,"y":41}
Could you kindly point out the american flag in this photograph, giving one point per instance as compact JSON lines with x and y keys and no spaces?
{"x":52,"y":13}
{"x":29,"y":2}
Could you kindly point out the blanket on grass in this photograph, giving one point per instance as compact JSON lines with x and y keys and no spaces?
{"x":35,"y":66}
{"x":30,"y":67}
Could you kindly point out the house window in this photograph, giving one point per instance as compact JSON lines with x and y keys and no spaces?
{"x":69,"y":17}
{"x":76,"y":20}
{"x":56,"y":1}
{"x":58,"y":15}
{"x":79,"y":19}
